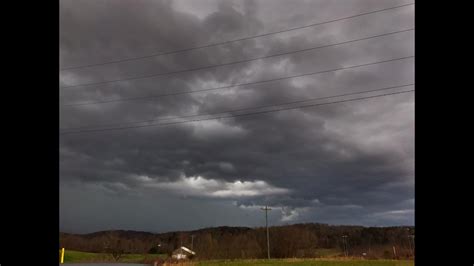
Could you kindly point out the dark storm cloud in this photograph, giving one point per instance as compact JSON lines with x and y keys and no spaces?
{"x":342,"y":163}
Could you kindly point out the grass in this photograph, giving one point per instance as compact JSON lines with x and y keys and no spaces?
{"x":306,"y":262}
{"x":326,"y":252}
{"x":71,"y":256}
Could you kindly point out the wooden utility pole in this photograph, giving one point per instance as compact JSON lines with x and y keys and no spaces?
{"x":370,"y":238}
{"x":266,"y":209}
{"x":410,"y":238}
{"x":344,"y":245}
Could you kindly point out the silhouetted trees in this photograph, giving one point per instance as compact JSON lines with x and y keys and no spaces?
{"x":299,"y":240}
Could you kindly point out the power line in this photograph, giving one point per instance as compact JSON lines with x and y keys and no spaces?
{"x":235,"y":85}
{"x":232,"y":63}
{"x":237,"y":110}
{"x":231,"y":41}
{"x":230,"y":116}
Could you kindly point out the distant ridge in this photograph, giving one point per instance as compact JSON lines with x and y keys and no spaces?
{"x":297,"y":240}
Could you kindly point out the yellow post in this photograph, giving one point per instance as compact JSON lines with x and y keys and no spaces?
{"x":62,"y":255}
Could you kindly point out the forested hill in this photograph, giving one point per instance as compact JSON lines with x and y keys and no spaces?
{"x":298,"y":240}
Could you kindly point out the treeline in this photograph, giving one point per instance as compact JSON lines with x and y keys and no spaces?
{"x":299,"y":240}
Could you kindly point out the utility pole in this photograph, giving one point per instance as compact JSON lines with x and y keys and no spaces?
{"x":192,"y":242}
{"x":266,"y":209}
{"x":344,"y":244}
{"x":370,"y":238}
{"x":410,"y":238}
{"x":409,"y":244}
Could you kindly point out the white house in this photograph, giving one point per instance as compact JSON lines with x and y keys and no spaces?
{"x":182,"y":253}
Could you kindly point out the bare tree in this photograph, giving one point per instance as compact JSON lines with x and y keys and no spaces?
{"x":114,"y":247}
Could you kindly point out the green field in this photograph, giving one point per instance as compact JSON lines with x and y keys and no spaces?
{"x":306,"y":262}
{"x":71,"y":256}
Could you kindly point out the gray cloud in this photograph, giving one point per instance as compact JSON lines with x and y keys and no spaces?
{"x":343,"y":163}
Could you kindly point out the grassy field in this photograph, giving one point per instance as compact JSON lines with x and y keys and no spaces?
{"x":71,"y":256}
{"x":305,"y":262}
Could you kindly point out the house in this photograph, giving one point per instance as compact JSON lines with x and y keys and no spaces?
{"x":183,"y":253}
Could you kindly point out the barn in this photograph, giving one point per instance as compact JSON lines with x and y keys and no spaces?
{"x":183,"y":253}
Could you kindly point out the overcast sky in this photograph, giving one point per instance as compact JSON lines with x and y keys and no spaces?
{"x":343,"y":163}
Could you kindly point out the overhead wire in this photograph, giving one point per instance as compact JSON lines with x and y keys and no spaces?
{"x":228,"y":116}
{"x":231,"y":41}
{"x":234,"y":110}
{"x":235,"y":85}
{"x":229,"y":63}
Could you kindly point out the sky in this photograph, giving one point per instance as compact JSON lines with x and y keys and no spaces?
{"x":338,"y":163}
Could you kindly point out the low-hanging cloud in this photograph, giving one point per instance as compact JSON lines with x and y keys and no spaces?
{"x":199,"y":186}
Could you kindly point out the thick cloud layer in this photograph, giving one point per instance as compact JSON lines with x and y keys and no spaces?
{"x":345,"y":163}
